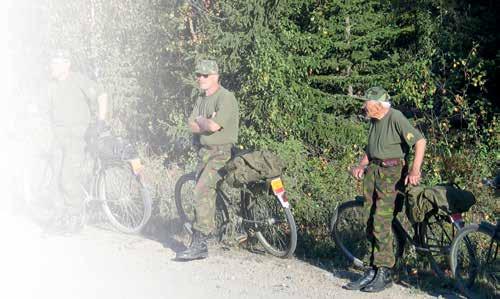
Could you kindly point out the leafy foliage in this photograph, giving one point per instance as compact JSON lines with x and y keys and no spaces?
{"x":293,"y":65}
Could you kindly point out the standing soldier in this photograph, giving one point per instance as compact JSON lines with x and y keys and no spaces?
{"x":215,"y":119}
{"x":71,"y":96}
{"x":385,"y":172}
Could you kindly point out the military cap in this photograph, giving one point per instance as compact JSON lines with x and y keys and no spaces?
{"x":375,"y":94}
{"x":206,"y":67}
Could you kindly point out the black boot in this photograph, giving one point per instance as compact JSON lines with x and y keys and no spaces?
{"x":382,"y":280}
{"x":197,"y":250}
{"x":363,"y":281}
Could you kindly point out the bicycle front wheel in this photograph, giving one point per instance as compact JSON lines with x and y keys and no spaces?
{"x":349,"y":229}
{"x":126,"y":199}
{"x":271,"y":222}
{"x":475,"y":263}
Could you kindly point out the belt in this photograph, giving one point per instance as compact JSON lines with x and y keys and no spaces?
{"x":387,"y":162}
{"x":216,"y":147}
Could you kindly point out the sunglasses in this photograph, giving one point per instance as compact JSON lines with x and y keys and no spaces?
{"x":201,"y":75}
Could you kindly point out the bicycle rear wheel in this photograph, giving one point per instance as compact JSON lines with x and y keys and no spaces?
{"x":349,"y":229}
{"x":475,"y":261}
{"x":272,"y":224}
{"x":436,"y":234}
{"x":126,"y":199}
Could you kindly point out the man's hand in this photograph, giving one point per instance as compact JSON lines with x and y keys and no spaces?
{"x":202,"y":123}
{"x":358,"y":172}
{"x":413,"y":177}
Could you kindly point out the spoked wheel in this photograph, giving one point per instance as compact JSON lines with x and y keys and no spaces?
{"x":475,"y":262}
{"x":126,"y":200}
{"x":349,"y":231}
{"x":272,"y":224}
{"x":184,"y":197}
{"x":436,"y":233}
{"x":185,"y":204}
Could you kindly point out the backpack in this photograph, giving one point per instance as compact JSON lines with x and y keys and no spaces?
{"x":252,"y":167}
{"x":450,"y":198}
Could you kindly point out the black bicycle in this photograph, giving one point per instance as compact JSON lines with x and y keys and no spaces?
{"x":432,"y":237}
{"x":115,"y":185}
{"x":264,"y":213}
{"x":474,"y":258}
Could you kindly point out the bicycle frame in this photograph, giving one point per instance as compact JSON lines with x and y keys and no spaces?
{"x":456,"y":219}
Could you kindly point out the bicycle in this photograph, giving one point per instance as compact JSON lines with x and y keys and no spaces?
{"x":115,"y":185}
{"x":432,"y":237}
{"x":478,"y":276}
{"x":264,"y":208}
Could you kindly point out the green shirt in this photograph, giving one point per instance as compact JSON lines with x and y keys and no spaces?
{"x":391,"y":137}
{"x":70,"y":100}
{"x":224,"y":104}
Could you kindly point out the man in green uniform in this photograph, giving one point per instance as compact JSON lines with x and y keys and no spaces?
{"x":71,"y":96}
{"x":215,"y":119}
{"x":385,"y":171}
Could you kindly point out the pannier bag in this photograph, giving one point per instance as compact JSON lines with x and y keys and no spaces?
{"x":252,"y":167}
{"x":113,"y":148}
{"x":421,"y":200}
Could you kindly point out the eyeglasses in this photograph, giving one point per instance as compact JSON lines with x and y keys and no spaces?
{"x":202,"y":75}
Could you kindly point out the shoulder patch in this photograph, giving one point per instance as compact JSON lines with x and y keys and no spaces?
{"x":409,"y":136}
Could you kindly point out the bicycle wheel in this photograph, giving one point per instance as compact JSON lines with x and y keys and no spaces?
{"x":272,"y":224}
{"x":184,"y":197}
{"x":436,"y":234}
{"x":126,"y":199}
{"x":475,"y":261}
{"x":184,"y":202}
{"x":349,"y":229}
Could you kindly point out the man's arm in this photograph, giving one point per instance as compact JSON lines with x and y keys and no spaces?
{"x":207,"y":125}
{"x":414,"y":175}
{"x":359,"y":170}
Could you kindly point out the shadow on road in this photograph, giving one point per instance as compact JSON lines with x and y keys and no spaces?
{"x":323,"y":253}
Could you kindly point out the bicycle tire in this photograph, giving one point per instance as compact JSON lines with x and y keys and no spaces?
{"x":184,"y":197}
{"x":473,"y":277}
{"x":348,"y":228}
{"x":436,"y":235}
{"x":184,"y":202}
{"x":127,"y":209}
{"x":273,"y":225}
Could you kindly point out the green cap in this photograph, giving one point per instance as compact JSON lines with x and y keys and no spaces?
{"x":206,"y":67}
{"x":375,"y":94}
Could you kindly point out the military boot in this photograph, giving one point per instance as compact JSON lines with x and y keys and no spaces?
{"x":197,"y":250}
{"x":361,"y":282}
{"x":382,"y":280}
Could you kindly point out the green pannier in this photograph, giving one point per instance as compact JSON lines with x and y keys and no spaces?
{"x":421,"y":200}
{"x":252,"y":167}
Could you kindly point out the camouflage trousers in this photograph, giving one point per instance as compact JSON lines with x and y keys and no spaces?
{"x":380,"y":187}
{"x":212,"y":160}
{"x":69,"y":163}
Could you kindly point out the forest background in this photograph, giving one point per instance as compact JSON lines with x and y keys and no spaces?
{"x":292,"y":65}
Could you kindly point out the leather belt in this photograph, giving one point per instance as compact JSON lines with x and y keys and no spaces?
{"x":387,"y":162}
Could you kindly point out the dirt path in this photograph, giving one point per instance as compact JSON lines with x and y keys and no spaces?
{"x":104,"y":264}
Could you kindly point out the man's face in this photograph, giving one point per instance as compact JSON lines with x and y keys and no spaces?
{"x":207,"y":81}
{"x":372,"y":109}
{"x":59,"y":67}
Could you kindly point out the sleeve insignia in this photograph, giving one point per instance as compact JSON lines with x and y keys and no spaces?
{"x":409,"y":136}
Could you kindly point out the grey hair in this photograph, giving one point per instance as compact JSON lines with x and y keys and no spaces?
{"x":385,"y":104}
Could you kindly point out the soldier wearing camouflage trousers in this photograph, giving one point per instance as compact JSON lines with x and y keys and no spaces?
{"x":215,"y":119}
{"x":383,"y":166}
